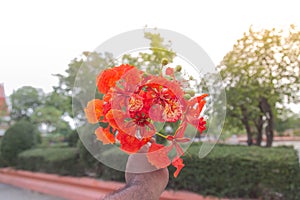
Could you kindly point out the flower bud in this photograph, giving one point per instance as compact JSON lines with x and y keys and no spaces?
{"x":178,"y":68}
{"x":187,"y":96}
{"x":190,"y":92}
{"x":164,"y":61}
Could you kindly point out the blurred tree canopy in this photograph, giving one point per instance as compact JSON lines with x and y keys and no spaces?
{"x":288,"y":120}
{"x":262,"y":75}
{"x":46,"y":111}
{"x":24,"y":101}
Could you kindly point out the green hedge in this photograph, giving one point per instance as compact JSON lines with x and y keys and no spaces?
{"x":241,"y":171}
{"x":2,"y":162}
{"x":235,"y":172}
{"x":228,"y":171}
{"x":96,"y":168}
{"x":63,"y":161}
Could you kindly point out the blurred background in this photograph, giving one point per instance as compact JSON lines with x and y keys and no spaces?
{"x":255,"y":46}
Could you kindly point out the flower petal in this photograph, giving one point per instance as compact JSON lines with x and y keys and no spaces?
{"x":131,"y":144}
{"x":94,"y":110}
{"x":158,"y":155}
{"x":104,"y":135}
{"x":178,"y":163}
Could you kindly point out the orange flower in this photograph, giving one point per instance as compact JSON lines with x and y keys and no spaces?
{"x":115,"y":118}
{"x":94,"y":110}
{"x":158,"y":155}
{"x":108,"y":78}
{"x":104,"y":135}
{"x":178,"y":163}
{"x":131,"y":144}
{"x":122,"y":69}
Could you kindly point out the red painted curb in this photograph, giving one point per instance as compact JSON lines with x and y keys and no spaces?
{"x":72,"y":188}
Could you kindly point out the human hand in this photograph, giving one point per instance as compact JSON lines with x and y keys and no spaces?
{"x":150,"y":180}
{"x":143,"y":180}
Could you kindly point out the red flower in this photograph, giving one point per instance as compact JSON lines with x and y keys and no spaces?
{"x":172,"y":111}
{"x":173,"y":86}
{"x":131,"y":144}
{"x":104,"y":135}
{"x":133,"y":101}
{"x":178,"y":163}
{"x":194,"y":109}
{"x":108,"y":78}
{"x":122,"y":69}
{"x":94,"y":110}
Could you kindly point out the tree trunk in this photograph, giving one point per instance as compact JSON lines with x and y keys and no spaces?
{"x":266,"y":109}
{"x":259,"y":128}
{"x":269,"y":133}
{"x":245,"y":121}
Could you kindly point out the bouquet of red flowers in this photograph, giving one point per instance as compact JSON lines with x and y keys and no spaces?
{"x":133,"y":101}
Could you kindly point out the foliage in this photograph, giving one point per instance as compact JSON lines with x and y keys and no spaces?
{"x":24,"y":101}
{"x":50,"y":114}
{"x":228,"y":171}
{"x":151,"y":60}
{"x":88,"y":161}
{"x":239,"y":171}
{"x":88,"y":66}
{"x":72,"y":139}
{"x":2,"y":162}
{"x":44,"y":110}
{"x":62,"y":161}
{"x":19,"y":137}
{"x":260,"y":72}
{"x":288,"y":122}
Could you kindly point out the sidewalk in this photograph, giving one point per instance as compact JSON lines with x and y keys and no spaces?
{"x":12,"y":193}
{"x":74,"y":188}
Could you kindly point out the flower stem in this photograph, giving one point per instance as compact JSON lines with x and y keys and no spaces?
{"x":161,"y":135}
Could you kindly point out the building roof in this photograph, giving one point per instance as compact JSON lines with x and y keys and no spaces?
{"x":3,"y":103}
{"x":2,"y":94}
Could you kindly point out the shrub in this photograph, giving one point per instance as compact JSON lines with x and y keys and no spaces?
{"x":241,"y":171}
{"x":63,"y":161}
{"x":93,"y":167}
{"x":19,"y":137}
{"x":2,"y":164}
{"x":228,"y":171}
{"x":72,"y":139}
{"x":234,"y":172}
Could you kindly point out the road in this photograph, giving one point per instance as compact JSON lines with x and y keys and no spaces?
{"x":8,"y":192}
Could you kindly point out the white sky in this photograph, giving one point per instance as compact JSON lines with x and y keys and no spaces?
{"x":39,"y":38}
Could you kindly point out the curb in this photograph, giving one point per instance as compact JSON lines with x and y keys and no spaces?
{"x":72,"y":188}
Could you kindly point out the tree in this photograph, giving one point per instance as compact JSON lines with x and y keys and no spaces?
{"x":288,"y":120}
{"x":24,"y":101}
{"x":151,"y":60}
{"x":50,"y":114}
{"x":260,"y":73}
{"x":80,"y":70}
